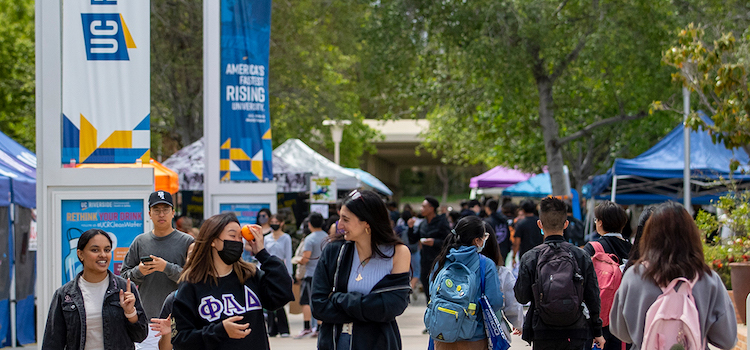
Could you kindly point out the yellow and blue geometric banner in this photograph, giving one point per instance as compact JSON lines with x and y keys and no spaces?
{"x":246,"y":151}
{"x":106,"y":81}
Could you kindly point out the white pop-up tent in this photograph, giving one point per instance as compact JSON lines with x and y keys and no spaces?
{"x":293,"y":163}
{"x":299,"y":157}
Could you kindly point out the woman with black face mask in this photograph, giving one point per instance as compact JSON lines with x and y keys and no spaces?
{"x":221,"y":302}
{"x":263,"y":219}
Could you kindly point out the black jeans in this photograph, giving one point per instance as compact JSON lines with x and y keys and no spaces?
{"x":612,"y":343}
{"x":424,"y":277}
{"x":277,"y":322}
{"x":561,"y":344}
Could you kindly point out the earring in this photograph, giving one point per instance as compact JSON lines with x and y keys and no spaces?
{"x":367,"y":230}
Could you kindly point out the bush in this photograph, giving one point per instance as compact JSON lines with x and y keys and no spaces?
{"x":720,"y":253}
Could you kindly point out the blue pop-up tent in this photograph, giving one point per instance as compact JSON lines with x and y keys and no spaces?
{"x":540,"y":186}
{"x":657,"y":174}
{"x":537,"y":186}
{"x":17,"y":261}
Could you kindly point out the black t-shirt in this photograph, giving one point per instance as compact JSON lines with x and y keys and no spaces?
{"x":166,"y":308}
{"x":612,"y":245}
{"x":529,"y":233}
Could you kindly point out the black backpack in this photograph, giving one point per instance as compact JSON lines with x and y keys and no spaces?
{"x":575,"y":232}
{"x":558,"y":290}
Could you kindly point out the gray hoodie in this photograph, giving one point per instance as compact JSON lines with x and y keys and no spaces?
{"x":636,"y":294}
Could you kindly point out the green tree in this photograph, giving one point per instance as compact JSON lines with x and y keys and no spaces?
{"x":176,"y":74}
{"x":313,"y":74}
{"x":17,"y":109}
{"x":520,"y":82}
{"x":718,"y":74}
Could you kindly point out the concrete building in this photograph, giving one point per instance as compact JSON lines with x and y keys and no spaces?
{"x":397,"y":150}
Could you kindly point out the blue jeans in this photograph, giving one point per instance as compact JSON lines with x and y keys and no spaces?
{"x":344,"y":343}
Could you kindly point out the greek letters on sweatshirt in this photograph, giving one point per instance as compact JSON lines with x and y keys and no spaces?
{"x":200,"y":308}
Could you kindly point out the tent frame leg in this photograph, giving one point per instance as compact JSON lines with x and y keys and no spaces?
{"x":614,"y":189}
{"x":12,"y":298}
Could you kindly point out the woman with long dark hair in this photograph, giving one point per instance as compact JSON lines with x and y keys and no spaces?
{"x":262,"y":219}
{"x":362,"y":283}
{"x":467,"y":240}
{"x":221,"y":299}
{"x":635,"y":254}
{"x":512,"y":309}
{"x":96,"y":310}
{"x":671,"y":248}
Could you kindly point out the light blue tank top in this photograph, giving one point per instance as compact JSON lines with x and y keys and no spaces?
{"x":372,"y":272}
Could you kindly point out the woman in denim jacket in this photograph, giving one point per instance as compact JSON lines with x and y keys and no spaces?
{"x":96,"y":310}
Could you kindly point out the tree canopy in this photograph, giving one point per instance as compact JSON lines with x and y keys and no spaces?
{"x":519,"y":83}
{"x":314,"y":60}
{"x":17,"y":108}
{"x":314,"y":64}
{"x":718,"y":74}
{"x":531,"y":83}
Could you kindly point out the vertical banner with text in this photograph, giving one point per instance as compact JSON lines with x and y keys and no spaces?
{"x":245,"y":118}
{"x":121,"y":219}
{"x":106,"y":81}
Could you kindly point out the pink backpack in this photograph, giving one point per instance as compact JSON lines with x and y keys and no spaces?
{"x":672,"y":322}
{"x":609,"y":276}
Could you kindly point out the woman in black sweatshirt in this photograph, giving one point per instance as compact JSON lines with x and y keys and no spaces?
{"x":610,"y":219}
{"x":220,"y":303}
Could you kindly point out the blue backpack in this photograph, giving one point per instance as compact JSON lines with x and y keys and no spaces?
{"x":454,"y":303}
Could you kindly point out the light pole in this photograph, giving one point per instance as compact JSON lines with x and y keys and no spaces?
{"x":337,"y":132}
{"x":686,"y":170}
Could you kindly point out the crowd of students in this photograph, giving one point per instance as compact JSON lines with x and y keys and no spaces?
{"x":357,"y":271}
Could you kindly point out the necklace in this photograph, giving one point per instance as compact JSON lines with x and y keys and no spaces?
{"x":359,"y":268}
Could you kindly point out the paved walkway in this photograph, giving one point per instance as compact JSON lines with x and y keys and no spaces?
{"x":410,"y":323}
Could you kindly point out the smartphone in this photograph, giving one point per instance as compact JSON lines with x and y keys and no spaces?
{"x":145,"y":259}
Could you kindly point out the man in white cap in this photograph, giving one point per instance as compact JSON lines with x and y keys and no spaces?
{"x":155,"y":259}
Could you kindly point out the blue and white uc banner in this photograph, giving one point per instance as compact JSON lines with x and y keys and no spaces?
{"x":245,"y":118}
{"x":106,"y":81}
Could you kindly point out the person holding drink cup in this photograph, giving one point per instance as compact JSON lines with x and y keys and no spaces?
{"x":221,"y":299}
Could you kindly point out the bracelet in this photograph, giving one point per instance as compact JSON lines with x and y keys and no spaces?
{"x":134,"y":313}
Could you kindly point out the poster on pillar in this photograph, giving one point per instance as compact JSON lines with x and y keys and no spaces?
{"x":246,"y":150}
{"x":247,"y":213}
{"x":122,"y":220}
{"x":323,"y":189}
{"x":106,"y":81}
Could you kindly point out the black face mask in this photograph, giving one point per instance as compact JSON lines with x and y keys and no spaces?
{"x":275,"y":227}
{"x":232,"y":252}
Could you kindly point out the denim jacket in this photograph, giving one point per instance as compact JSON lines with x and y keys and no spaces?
{"x":66,"y":321}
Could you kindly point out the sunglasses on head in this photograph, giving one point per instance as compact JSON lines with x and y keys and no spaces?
{"x":355,"y":194}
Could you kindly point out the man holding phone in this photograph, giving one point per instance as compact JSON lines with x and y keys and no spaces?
{"x":155,"y":259}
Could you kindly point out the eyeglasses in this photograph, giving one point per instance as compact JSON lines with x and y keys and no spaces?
{"x":354,"y":195}
{"x":161,"y":211}
{"x":262,"y":215}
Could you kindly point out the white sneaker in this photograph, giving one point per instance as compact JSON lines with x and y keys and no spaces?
{"x":305,"y":333}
